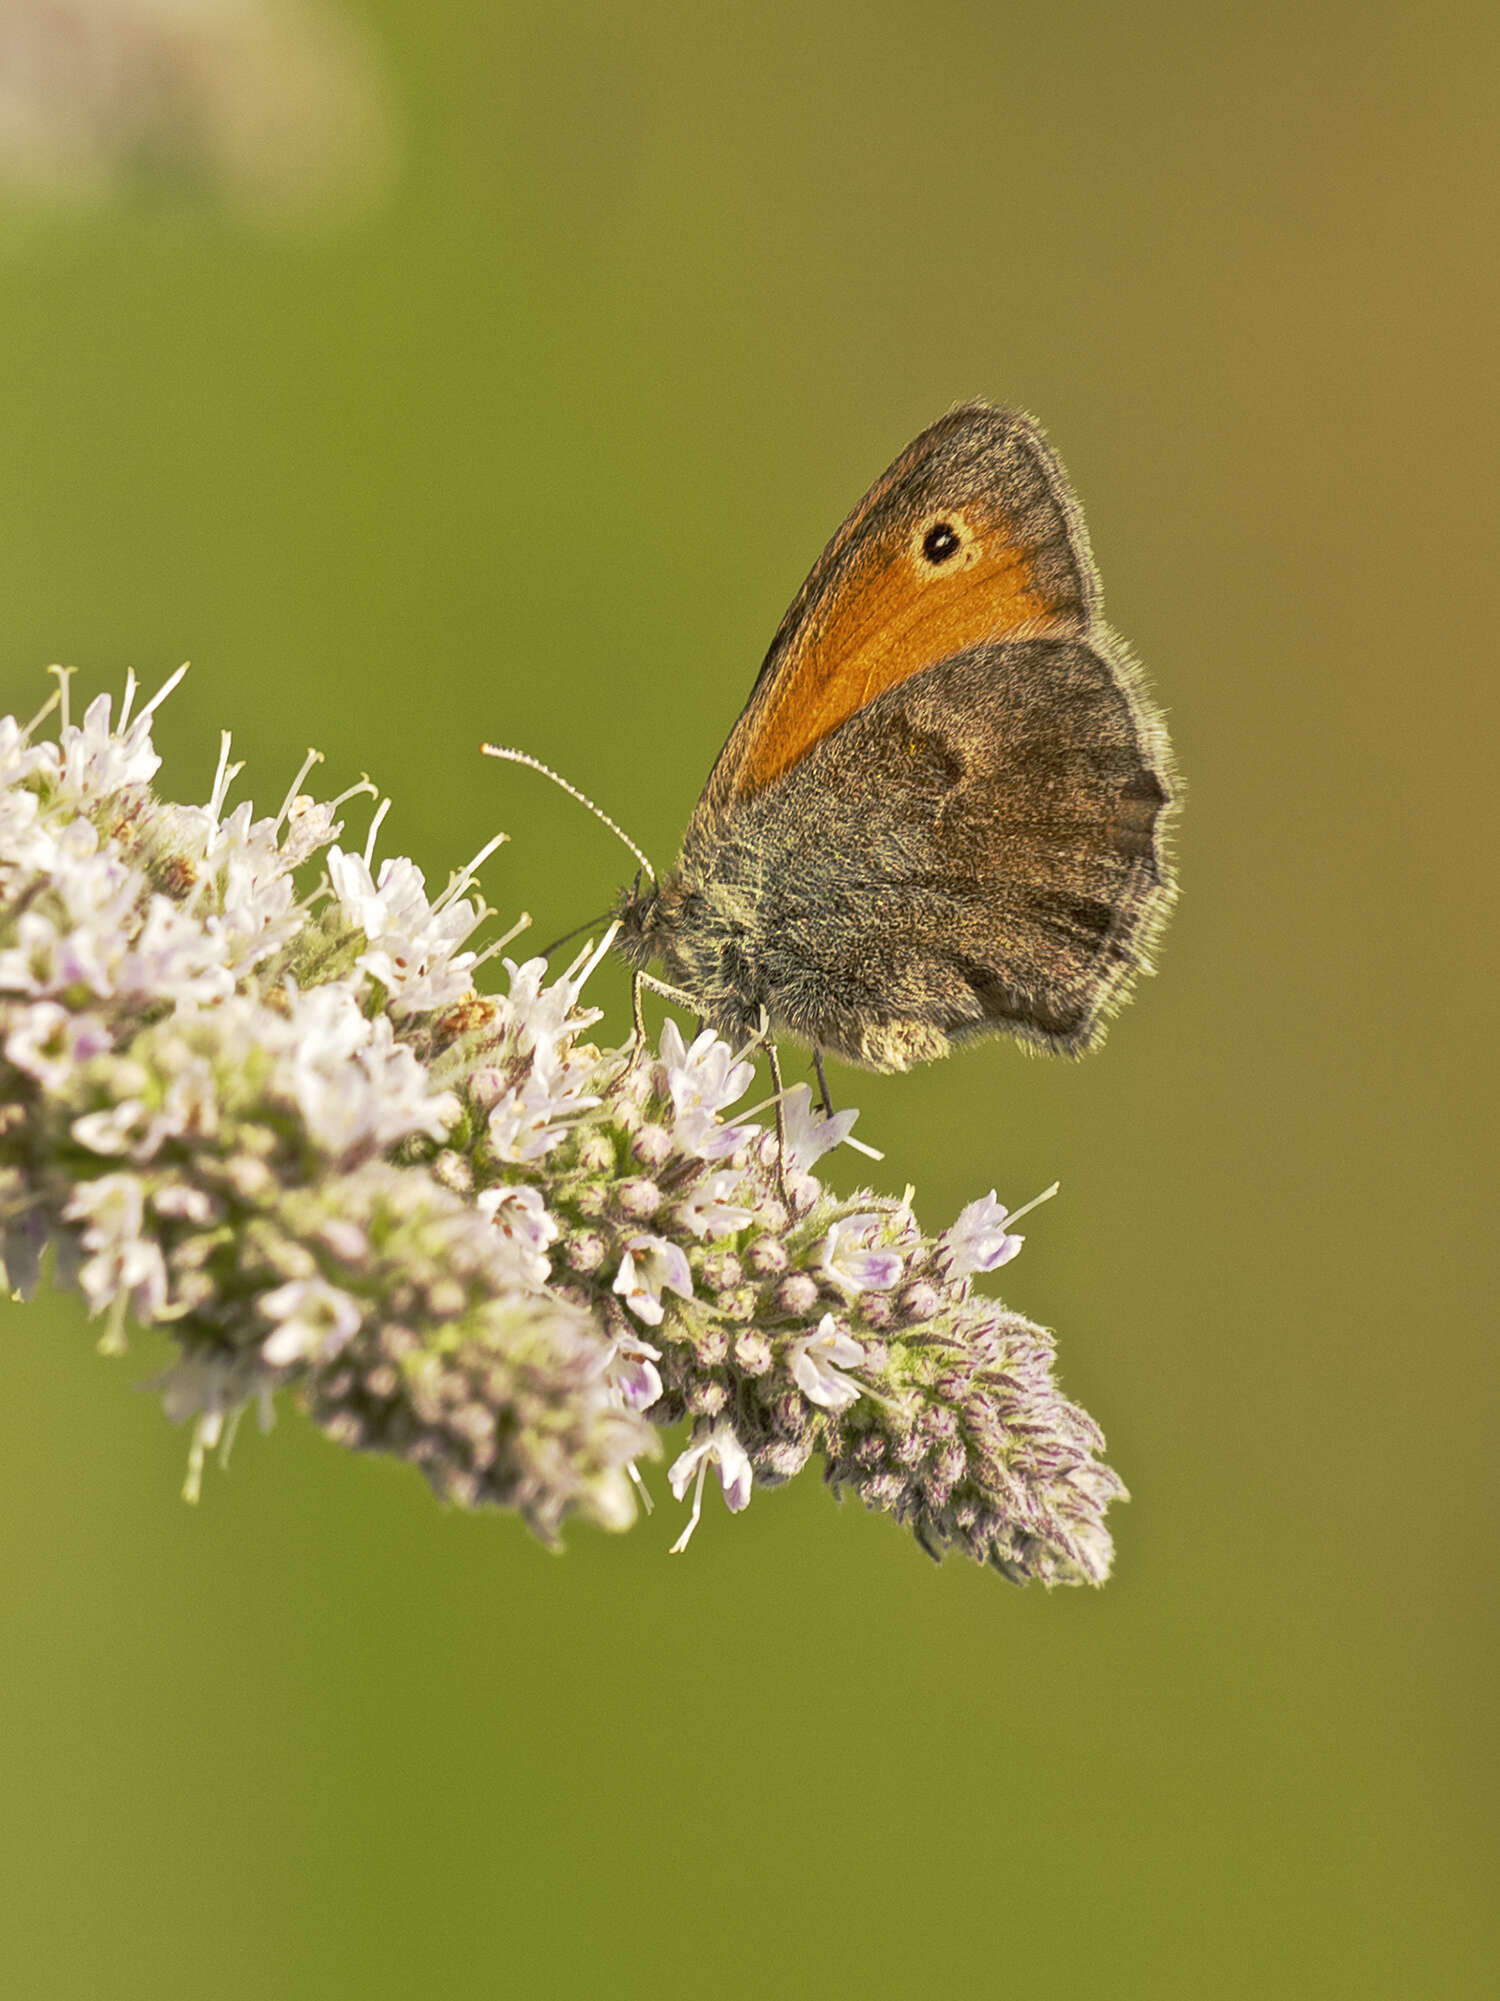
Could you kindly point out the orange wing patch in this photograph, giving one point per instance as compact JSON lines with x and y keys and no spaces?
{"x":953,"y":581}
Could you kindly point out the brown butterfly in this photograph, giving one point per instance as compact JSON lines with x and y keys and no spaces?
{"x":941,"y":811}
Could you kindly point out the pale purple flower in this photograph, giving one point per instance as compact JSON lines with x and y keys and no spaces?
{"x":356,"y":1085}
{"x":45,"y":960}
{"x":259,"y":910}
{"x":632,"y":1372}
{"x":545,"y":1014}
{"x":310,"y":825}
{"x":530,"y":1121}
{"x":708,"y":1211}
{"x":650,"y":1266}
{"x":172,"y":957}
{"x":129,"y":1276}
{"x":181,"y":1199}
{"x":818,"y":1361}
{"x":19,"y":814}
{"x":397,"y":904}
{"x":521,"y":1132}
{"x":26,"y":966}
{"x":46,"y":758}
{"x":126,"y":1268}
{"x":97,"y":889}
{"x":424,"y":979}
{"x":378,"y":906}
{"x":236,"y":836}
{"x":312,"y":1320}
{"x":190,"y":1104}
{"x":846,"y":1260}
{"x":703,"y":1134}
{"x":111,"y":1207}
{"x":412,"y":944}
{"x":981,"y":1239}
{"x":810,"y":1134}
{"x":722,"y":1449}
{"x":522,"y":1217}
{"x":18,"y":757}
{"x":118,"y":1129}
{"x":706,"y":1076}
{"x":527,"y":1120}
{"x":96,"y":761}
{"x":701,"y":1081}
{"x":536,"y":1010}
{"x":328,"y":1025}
{"x":48,"y":1042}
{"x":423,"y":970}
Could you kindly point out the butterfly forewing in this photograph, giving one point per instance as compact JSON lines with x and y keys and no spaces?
{"x":972,"y":535}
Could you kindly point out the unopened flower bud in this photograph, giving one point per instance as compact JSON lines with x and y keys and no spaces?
{"x":584,"y":1251}
{"x":455,"y":1171}
{"x":596,"y":1153}
{"x":753,"y":1353}
{"x":636,"y":1201}
{"x":766,"y":1257}
{"x":706,"y":1397}
{"x":782,"y":1459}
{"x":652,"y":1147}
{"x":797,"y":1295}
{"x":918,"y":1302}
{"x":721,"y":1270}
{"x":711,"y":1346}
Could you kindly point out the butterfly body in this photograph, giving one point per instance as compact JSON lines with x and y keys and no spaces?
{"x":940,"y":813}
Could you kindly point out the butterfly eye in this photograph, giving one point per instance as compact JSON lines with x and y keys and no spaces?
{"x":940,"y":542}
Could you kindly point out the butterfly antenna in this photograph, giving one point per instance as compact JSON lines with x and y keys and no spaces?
{"x":577,"y":932}
{"x":512,"y":756}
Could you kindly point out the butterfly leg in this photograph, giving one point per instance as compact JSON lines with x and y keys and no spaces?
{"x":638,"y":986}
{"x":823,"y":1083}
{"x":774,"y":1063}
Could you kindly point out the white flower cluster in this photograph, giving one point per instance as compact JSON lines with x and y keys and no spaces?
{"x":276,"y":1118}
{"x":209,"y":1077}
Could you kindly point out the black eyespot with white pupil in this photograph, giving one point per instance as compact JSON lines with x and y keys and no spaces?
{"x":940,"y":543}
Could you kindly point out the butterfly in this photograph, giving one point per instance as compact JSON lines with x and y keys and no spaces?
{"x":942,"y":811}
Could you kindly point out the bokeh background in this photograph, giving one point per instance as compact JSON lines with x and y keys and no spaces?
{"x":431,"y":374}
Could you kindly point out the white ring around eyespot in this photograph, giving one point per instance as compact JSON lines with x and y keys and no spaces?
{"x":970,"y":547}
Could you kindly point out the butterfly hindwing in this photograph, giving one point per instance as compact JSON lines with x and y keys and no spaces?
{"x":979,"y":847}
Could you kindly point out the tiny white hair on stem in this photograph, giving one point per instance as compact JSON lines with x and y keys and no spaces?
{"x":513,"y":756}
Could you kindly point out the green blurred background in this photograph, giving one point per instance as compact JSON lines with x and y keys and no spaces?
{"x":536,"y":441}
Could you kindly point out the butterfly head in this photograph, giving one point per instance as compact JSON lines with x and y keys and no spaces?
{"x":654,"y":916}
{"x":637,"y":915}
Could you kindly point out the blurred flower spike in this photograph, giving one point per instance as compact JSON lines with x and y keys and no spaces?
{"x":253,"y":1096}
{"x":277,"y":108}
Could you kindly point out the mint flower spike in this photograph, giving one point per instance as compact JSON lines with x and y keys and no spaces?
{"x":250,"y":1094}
